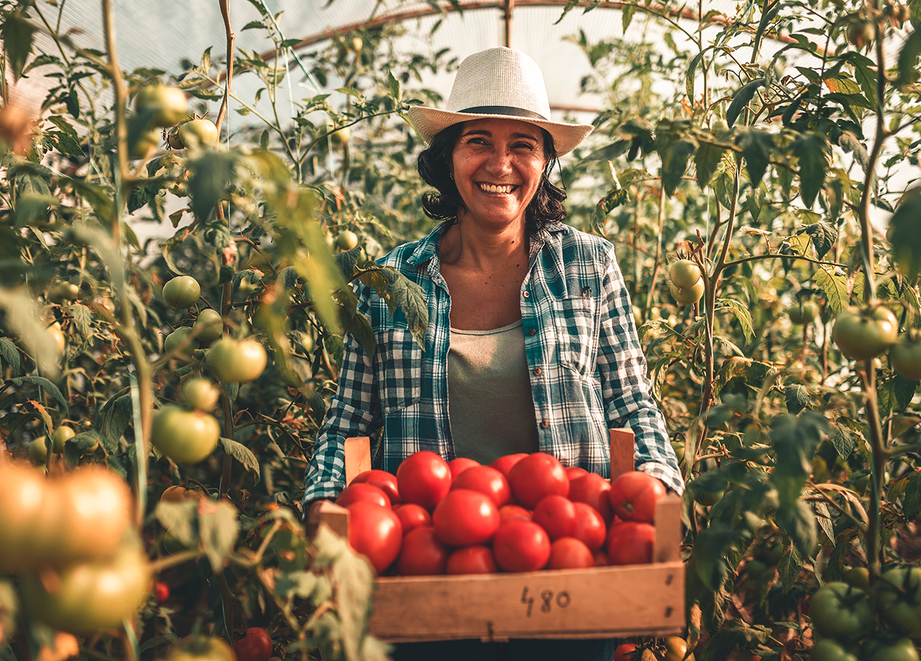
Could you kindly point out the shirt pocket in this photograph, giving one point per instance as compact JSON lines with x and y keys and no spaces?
{"x":575,"y":321}
{"x":399,"y":370}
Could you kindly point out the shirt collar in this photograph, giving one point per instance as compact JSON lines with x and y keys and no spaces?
{"x":427,"y":248}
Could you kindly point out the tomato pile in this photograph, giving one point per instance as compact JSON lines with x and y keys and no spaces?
{"x":72,"y":542}
{"x":524,"y":512}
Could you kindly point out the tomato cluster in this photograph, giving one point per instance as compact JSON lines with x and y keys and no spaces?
{"x":524,"y":512}
{"x":71,"y":541}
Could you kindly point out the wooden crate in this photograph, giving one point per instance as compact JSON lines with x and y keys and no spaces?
{"x":603,"y":602}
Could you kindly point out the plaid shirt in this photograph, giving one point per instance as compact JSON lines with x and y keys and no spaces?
{"x":587,"y":369}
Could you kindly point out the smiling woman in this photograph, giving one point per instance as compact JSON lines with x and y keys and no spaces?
{"x":531,"y":344}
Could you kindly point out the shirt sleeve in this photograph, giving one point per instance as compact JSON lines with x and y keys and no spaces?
{"x":625,"y":385}
{"x":353,"y":410}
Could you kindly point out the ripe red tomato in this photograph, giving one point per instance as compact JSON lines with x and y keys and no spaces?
{"x":592,"y":489}
{"x":161,"y":592}
{"x":601,"y":558}
{"x":623,"y":652}
{"x":465,"y":517}
{"x":512,"y":512}
{"x":575,"y":471}
{"x":460,"y":464}
{"x":382,"y":479}
{"x":412,"y":516}
{"x":504,"y":464}
{"x":256,"y":645}
{"x":633,"y":496}
{"x":570,"y":553}
{"x":375,"y":532}
{"x":590,"y":528}
{"x":630,"y":543}
{"x":485,"y":479}
{"x":536,"y":476}
{"x":422,"y":554}
{"x":472,"y":560}
{"x":521,"y":546}
{"x":556,"y":515}
{"x":423,"y":478}
{"x":361,"y":491}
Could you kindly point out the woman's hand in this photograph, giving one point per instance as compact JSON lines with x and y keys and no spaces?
{"x":312,"y":521}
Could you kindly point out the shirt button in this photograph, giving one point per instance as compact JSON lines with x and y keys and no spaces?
{"x":544,"y":424}
{"x":526,"y":294}
{"x":532,"y":332}
{"x":537,"y":372}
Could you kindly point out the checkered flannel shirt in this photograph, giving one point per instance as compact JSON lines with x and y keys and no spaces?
{"x":587,"y":369}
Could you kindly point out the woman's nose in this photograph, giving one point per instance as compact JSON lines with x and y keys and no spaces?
{"x":500,"y":161}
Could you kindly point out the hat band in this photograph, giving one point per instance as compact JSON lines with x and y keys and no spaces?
{"x":504,"y":110}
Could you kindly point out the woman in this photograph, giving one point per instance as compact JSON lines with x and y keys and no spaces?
{"x":531,"y":344}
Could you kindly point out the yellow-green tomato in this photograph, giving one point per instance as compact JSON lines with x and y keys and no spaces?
{"x":865,"y":334}
{"x":198,"y":133}
{"x":803,"y":313}
{"x":201,"y":649}
{"x":166,"y":105}
{"x":181,"y":292}
{"x":901,"y":649}
{"x":200,"y":394}
{"x":841,"y":612}
{"x":898,"y":600}
{"x":61,"y":435}
{"x":675,"y":649}
{"x":209,"y":326}
{"x":237,"y":361}
{"x":38,"y":450}
{"x":186,"y":437}
{"x":91,"y":596}
{"x":684,"y":273}
{"x":687,"y":295}
{"x":347,"y":240}
{"x":905,"y":356}
{"x":826,"y":649}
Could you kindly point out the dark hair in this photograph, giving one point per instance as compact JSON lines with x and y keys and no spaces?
{"x":444,"y":202}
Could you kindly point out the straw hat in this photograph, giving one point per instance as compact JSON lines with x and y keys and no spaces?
{"x":499,"y":83}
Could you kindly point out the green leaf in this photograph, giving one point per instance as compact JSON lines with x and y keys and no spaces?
{"x":10,"y":354}
{"x":737,"y":633}
{"x":209,"y":176}
{"x":823,"y":236}
{"x":740,"y":99}
{"x":795,"y":440}
{"x":113,"y":420}
{"x":354,"y":580}
{"x":42,"y":382}
{"x":756,"y":150}
{"x":741,"y":313}
{"x":626,"y":17}
{"x":710,"y":550}
{"x":99,"y":197}
{"x":103,"y":245}
{"x":218,"y":530}
{"x":797,"y":397}
{"x":789,"y":567}
{"x":179,"y":520}
{"x":813,"y":154}
{"x":835,"y":287}
{"x":911,"y":49}
{"x":23,"y":317}
{"x":401,"y":294}
{"x":911,"y":499}
{"x":82,"y":318}
{"x":689,"y":75}
{"x":17,"y":33}
{"x":242,"y":454}
{"x":675,"y":158}
{"x":706,"y":162}
{"x":905,"y":234}
{"x":842,"y":439}
{"x":798,"y":521}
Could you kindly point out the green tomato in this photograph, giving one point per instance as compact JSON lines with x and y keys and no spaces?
{"x":347,"y":240}
{"x":841,"y":612}
{"x":864,"y":334}
{"x":905,"y":356}
{"x":145,"y":143}
{"x":201,"y":649}
{"x":803,"y":313}
{"x":901,"y":649}
{"x":209,"y":326}
{"x":200,"y":394}
{"x":91,"y":596}
{"x":181,"y":292}
{"x":687,"y":295}
{"x":166,"y":105}
{"x":684,"y":273}
{"x":61,"y":435}
{"x":184,"y":436}
{"x":198,"y":133}
{"x":858,"y":577}
{"x":827,"y":649}
{"x":237,"y":361}
{"x":38,"y":450}
{"x":898,"y":599}
{"x":176,"y":339}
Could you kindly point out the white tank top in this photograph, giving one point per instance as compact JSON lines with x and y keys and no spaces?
{"x":489,"y":394}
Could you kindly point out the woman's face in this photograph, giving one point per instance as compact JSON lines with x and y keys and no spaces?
{"x":497,"y":166}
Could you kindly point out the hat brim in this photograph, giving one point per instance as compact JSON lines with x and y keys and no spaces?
{"x":429,"y":122}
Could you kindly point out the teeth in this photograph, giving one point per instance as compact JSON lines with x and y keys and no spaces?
{"x":490,"y":188}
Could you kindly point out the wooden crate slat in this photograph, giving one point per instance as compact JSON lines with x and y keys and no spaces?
{"x":603,"y":602}
{"x":357,"y":457}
